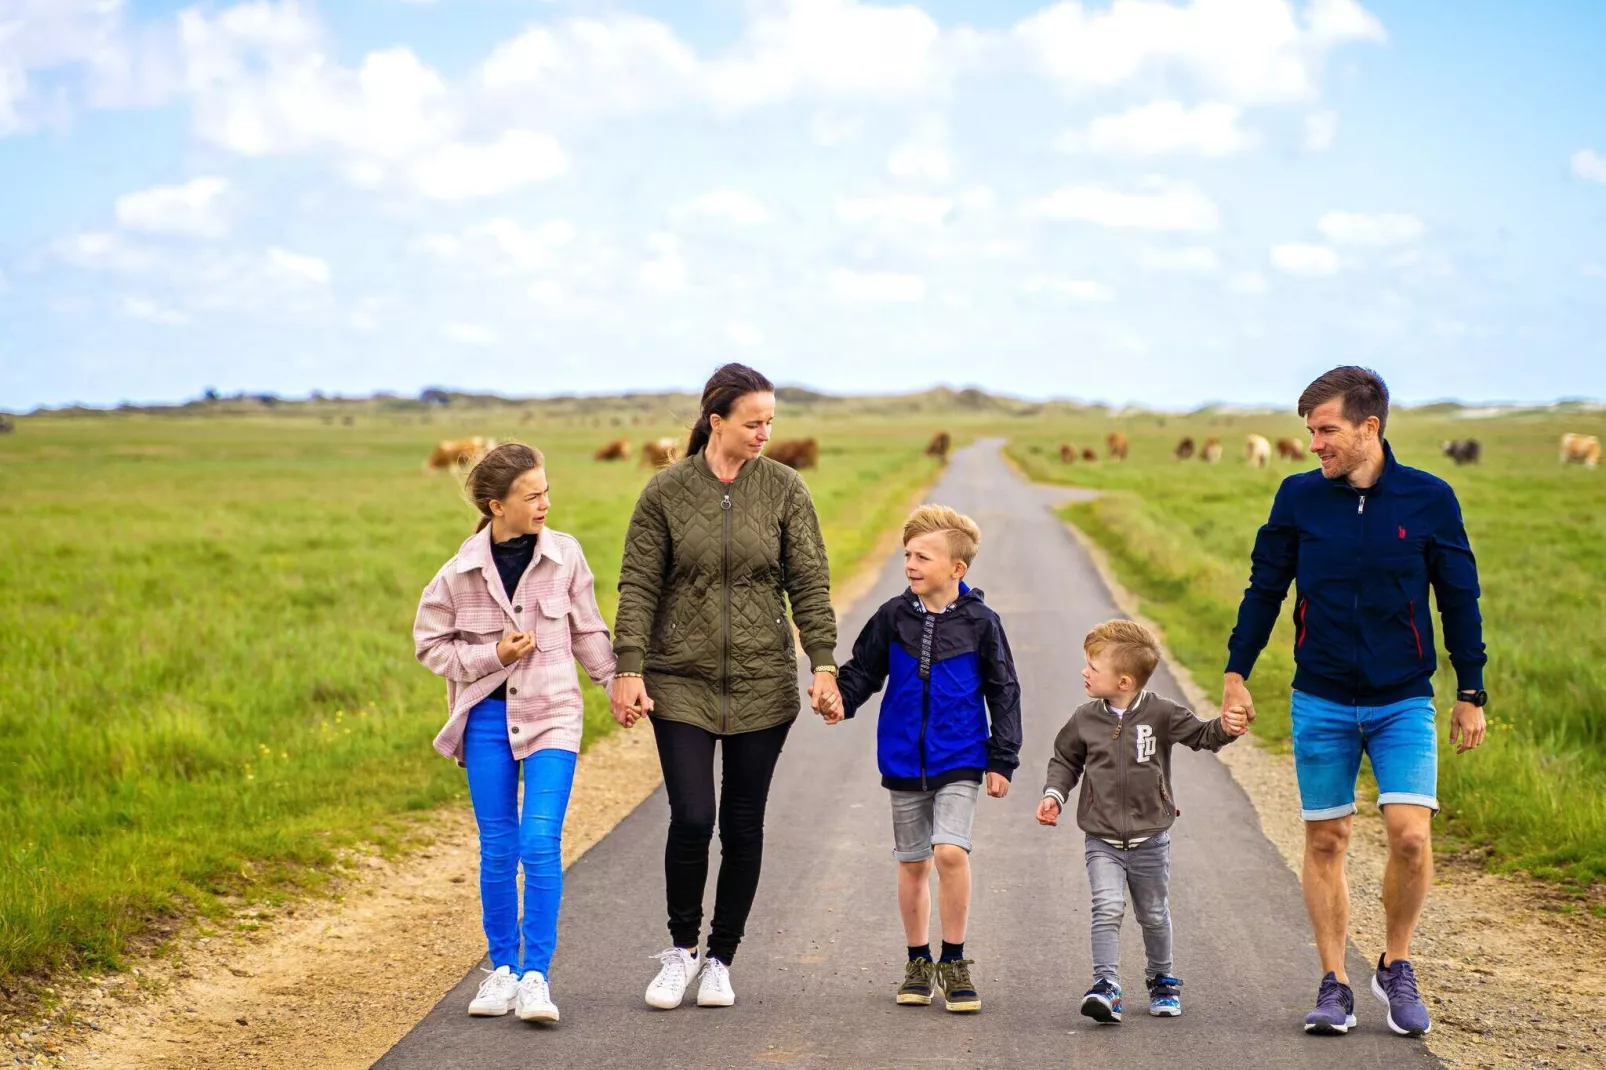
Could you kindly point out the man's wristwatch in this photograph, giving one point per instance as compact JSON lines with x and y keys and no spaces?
{"x":1479,"y":698}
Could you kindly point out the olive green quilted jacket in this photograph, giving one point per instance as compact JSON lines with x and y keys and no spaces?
{"x":701,"y":614}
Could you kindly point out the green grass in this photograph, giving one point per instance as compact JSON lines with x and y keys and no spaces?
{"x":1179,"y":535}
{"x":207,"y":684}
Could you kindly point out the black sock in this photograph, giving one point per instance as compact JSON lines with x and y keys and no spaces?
{"x":952,"y":952}
{"x":919,"y":954}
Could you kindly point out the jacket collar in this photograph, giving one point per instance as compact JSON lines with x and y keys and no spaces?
{"x":475,"y":553}
{"x":966,"y":594}
{"x":1137,"y":704}
{"x":1390,"y":466}
{"x":699,"y":461}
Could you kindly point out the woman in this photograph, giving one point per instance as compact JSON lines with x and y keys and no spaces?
{"x":704,"y":649}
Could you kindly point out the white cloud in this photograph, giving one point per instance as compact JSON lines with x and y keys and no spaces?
{"x":1334,"y":22}
{"x":875,"y":287}
{"x":1321,"y":128}
{"x":458,"y":171}
{"x":1248,"y":283}
{"x":470,"y":334}
{"x":141,"y":309}
{"x":195,"y":208}
{"x":733,"y":206}
{"x":924,"y":157}
{"x":1354,"y":228}
{"x":1592,"y":270}
{"x":1305,"y":259}
{"x":1195,"y":259}
{"x":296,"y":268}
{"x":828,"y":130}
{"x":1076,"y":289}
{"x":1170,"y":207}
{"x":744,"y":335}
{"x":1166,"y":127}
{"x":895,"y":208}
{"x":665,"y":271}
{"x":620,"y":65}
{"x":1589,"y":165}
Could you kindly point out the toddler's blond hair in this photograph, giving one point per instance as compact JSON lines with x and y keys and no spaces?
{"x":964,"y":537}
{"x":1132,"y":648}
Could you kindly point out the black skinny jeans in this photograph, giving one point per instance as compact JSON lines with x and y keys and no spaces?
{"x":686,"y":754}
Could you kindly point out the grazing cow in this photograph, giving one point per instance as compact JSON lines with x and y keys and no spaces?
{"x":1289,"y":450}
{"x":797,"y":453}
{"x":1257,"y":451}
{"x":526,"y":416}
{"x":1089,"y":454}
{"x":1462,"y":450}
{"x":1580,"y":449}
{"x":938,"y":447}
{"x":1184,"y":449}
{"x":1211,"y":453}
{"x":1067,"y":454}
{"x":1117,"y":444}
{"x":6,"y":426}
{"x":459,"y":452}
{"x":617,"y":450}
{"x":347,"y":421}
{"x":659,"y":452}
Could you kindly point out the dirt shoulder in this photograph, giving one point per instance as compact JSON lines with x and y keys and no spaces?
{"x":1513,"y":973}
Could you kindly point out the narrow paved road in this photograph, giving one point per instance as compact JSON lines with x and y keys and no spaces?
{"x":824,"y":949}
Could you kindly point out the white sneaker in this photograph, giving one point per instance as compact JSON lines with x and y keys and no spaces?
{"x":535,"y":999}
{"x":716,"y":991}
{"x":669,"y":987}
{"x":497,"y":994}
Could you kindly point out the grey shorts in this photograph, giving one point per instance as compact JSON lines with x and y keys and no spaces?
{"x":921,"y":819}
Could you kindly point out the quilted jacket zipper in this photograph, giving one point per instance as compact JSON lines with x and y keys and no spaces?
{"x":725,"y":615}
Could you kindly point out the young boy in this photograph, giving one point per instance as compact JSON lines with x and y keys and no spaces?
{"x":946,"y":663}
{"x":1119,"y":746}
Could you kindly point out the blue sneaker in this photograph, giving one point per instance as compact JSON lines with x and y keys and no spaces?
{"x":1103,"y":1002}
{"x":1335,"y":1008}
{"x":1396,"y":986}
{"x":1164,"y":999}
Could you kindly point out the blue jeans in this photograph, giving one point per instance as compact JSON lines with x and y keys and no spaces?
{"x":1330,"y":737}
{"x":506,"y":837}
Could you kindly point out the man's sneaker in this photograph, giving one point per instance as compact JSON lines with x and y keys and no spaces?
{"x":669,"y":987}
{"x":715,"y":991}
{"x":1396,"y":986}
{"x":958,"y":992}
{"x":917,"y":980}
{"x":1103,"y":1002}
{"x":497,"y":994}
{"x":1335,"y":1008}
{"x":1165,"y":999}
{"x":535,"y":999}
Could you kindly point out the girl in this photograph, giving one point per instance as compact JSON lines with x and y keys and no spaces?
{"x":504,"y":621}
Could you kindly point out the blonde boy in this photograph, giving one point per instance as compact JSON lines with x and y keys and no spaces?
{"x":942,"y":654}
{"x":1119,"y":747}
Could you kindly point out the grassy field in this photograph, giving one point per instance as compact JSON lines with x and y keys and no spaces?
{"x":1179,"y":534}
{"x":208,"y":686}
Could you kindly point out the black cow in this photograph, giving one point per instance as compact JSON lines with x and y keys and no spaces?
{"x":1462,"y":450}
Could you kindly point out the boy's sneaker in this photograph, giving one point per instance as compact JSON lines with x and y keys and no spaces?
{"x":1396,"y":986}
{"x":917,"y":979}
{"x":1103,"y":1002}
{"x":497,"y":995}
{"x":958,"y":992}
{"x":715,"y":991}
{"x":1335,"y":1008}
{"x":535,"y":999}
{"x":669,"y":987}
{"x":1165,"y":999}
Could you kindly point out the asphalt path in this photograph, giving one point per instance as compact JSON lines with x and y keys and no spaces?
{"x":823,"y":953}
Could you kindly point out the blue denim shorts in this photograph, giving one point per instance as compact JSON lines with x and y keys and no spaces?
{"x":1330,"y":737}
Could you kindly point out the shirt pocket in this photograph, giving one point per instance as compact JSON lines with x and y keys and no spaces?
{"x":552,"y":623}
{"x":482,"y":625}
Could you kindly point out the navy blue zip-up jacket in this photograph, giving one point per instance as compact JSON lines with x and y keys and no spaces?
{"x":1362,"y":561}
{"x":943,"y":672}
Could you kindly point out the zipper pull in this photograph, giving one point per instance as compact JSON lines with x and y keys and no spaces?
{"x":1361,"y":505}
{"x":725,"y":503}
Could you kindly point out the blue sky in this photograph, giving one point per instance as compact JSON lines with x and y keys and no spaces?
{"x":1151,"y":202}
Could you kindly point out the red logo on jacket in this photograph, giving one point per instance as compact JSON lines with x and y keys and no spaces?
{"x":1402,"y":531}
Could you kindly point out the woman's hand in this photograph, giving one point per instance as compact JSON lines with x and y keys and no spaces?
{"x":826,"y":698}
{"x":628,"y":700}
{"x":514,"y":646}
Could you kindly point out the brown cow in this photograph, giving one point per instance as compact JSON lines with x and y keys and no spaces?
{"x":459,"y":452}
{"x":1089,"y":454}
{"x":1211,"y":453}
{"x":1580,"y":449}
{"x":797,"y":453}
{"x":938,"y":447}
{"x":1117,"y":444}
{"x":1067,"y":454}
{"x":1289,"y":450}
{"x":1257,"y":451}
{"x":1184,"y":449}
{"x":617,"y":450}
{"x":659,"y":452}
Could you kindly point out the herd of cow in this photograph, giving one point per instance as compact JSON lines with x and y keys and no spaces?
{"x":1257,"y":450}
{"x":1575,"y":449}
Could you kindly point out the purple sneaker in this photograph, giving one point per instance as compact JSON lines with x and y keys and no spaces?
{"x":1335,"y":1008}
{"x":1396,"y":986}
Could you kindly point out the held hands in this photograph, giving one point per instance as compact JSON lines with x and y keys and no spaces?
{"x":514,"y":647}
{"x":825,"y":698}
{"x":1234,"y":693}
{"x":997,"y":785}
{"x":1466,"y":726}
{"x":1235,"y":719}
{"x":628,"y":700}
{"x":1048,"y":811}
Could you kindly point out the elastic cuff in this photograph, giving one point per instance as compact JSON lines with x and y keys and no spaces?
{"x":1005,"y":771}
{"x":821,"y":655}
{"x":629,"y":661}
{"x":1407,"y":798}
{"x":1050,"y":793}
{"x":1327,"y":814}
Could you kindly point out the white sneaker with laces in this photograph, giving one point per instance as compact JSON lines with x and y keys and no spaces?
{"x":669,"y":987}
{"x":497,"y":994}
{"x":716,"y":991}
{"x":535,"y":999}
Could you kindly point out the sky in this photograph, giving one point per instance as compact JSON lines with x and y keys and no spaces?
{"x":1148,"y":202}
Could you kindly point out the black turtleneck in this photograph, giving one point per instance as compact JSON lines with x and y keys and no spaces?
{"x":512,"y":558}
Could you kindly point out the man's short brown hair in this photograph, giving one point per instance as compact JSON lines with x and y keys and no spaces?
{"x":964,"y":537}
{"x":1132,"y":648}
{"x":1363,"y":390}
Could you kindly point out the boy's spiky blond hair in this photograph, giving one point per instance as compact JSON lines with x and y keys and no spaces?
{"x":964,"y":537}
{"x":1131,"y":647}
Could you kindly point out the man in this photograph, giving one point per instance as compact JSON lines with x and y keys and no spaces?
{"x":1363,"y":539}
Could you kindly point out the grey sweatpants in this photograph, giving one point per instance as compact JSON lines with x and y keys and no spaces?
{"x":1146,"y":870}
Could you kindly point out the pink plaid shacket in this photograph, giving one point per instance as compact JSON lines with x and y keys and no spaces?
{"x":464,"y":613}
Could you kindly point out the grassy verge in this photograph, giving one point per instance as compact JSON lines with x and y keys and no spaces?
{"x":207,"y":686}
{"x":1179,"y":535}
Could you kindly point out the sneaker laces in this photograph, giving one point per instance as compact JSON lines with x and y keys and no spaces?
{"x":716,"y":972}
{"x":959,"y":973}
{"x":491,"y":984}
{"x":1331,"y":991}
{"x":674,"y":960}
{"x":1401,"y":981}
{"x":916,"y":970}
{"x":534,"y":986}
